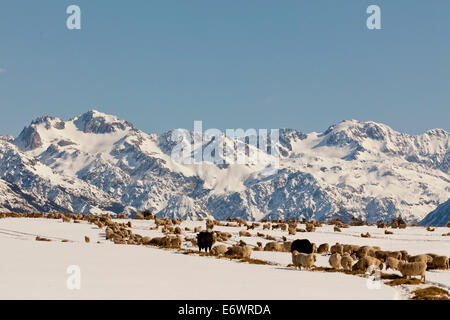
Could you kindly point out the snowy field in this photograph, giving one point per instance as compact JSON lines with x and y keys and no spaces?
{"x":32,"y":269}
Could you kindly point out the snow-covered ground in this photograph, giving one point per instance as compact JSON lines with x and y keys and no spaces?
{"x":32,"y":269}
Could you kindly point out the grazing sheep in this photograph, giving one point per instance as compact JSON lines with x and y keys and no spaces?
{"x":347,"y":262}
{"x":205,"y":240}
{"x":365,"y":262}
{"x":335,"y":261}
{"x":381,"y":255}
{"x":86,"y":239}
{"x":365,"y":251}
{"x":395,"y":254}
{"x":219,"y":250}
{"x":421,"y":258}
{"x":302,"y":246}
{"x":139,"y":217}
{"x":392,"y":263}
{"x":323,"y":248}
{"x":409,"y":269}
{"x":292,"y":231}
{"x":440,"y":262}
{"x":337,"y":248}
{"x":198,"y":229}
{"x":337,"y":229}
{"x":243,"y":233}
{"x":405,"y":255}
{"x":273,"y":246}
{"x":430,"y":229}
{"x":303,"y":260}
{"x":388,"y":232}
{"x":239,"y":251}
{"x":266,"y":226}
{"x":366,"y":235}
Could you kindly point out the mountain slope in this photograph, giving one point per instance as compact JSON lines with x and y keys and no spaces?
{"x":438,"y":217}
{"x":99,"y":163}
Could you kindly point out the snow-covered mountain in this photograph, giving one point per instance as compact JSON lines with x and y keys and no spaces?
{"x":438,"y":217}
{"x":99,"y":163}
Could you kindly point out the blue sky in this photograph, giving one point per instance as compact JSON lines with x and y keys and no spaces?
{"x":233,"y":64}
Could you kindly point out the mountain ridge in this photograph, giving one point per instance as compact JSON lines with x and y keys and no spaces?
{"x":96,"y":163}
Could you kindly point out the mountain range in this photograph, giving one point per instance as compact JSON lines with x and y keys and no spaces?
{"x":97,"y":163}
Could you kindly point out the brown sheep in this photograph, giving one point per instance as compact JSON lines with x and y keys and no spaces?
{"x":86,"y":239}
{"x":388,"y":232}
{"x":440,"y":262}
{"x":392,"y":263}
{"x":219,"y":250}
{"x":198,"y":229}
{"x":421,"y":258}
{"x":347,"y":262}
{"x":337,"y":229}
{"x":395,"y":254}
{"x":323,"y":248}
{"x":409,"y":269}
{"x":243,"y":233}
{"x":366,"y":235}
{"x":365,"y":262}
{"x":273,"y":246}
{"x":337,"y":248}
{"x":239,"y":251}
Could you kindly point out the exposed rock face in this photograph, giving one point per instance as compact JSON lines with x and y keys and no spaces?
{"x":99,"y":163}
{"x":30,"y":138}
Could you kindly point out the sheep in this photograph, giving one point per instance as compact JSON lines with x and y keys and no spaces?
{"x":421,"y":258}
{"x":219,"y":250}
{"x":366,"y":235}
{"x":292,"y":231}
{"x":303,"y":260}
{"x":139,"y":217}
{"x":86,"y":239}
{"x":335,"y":261}
{"x":365,"y":262}
{"x":388,"y":232}
{"x":266,"y":226}
{"x":287,"y":246}
{"x":310,"y":227}
{"x":243,"y":233}
{"x":440,"y":262}
{"x":409,"y":269}
{"x":302,"y":245}
{"x":347,"y":262}
{"x":323,"y":248}
{"x":405,"y":255}
{"x":392,"y":263}
{"x":336,"y":229}
{"x":381,"y":255}
{"x":273,"y":246}
{"x":430,"y":229}
{"x":337,"y":248}
{"x":239,"y":251}
{"x":365,"y":251}
{"x":198,"y":229}
{"x":395,"y":254}
{"x":205,"y":240}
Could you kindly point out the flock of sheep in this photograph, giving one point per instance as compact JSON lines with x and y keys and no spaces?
{"x":341,"y":256}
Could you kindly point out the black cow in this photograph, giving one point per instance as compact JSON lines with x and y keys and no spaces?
{"x":205,"y":240}
{"x":303,"y":246}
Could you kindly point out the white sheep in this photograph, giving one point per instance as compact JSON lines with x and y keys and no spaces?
{"x":303,"y":260}
{"x":335,"y":261}
{"x":409,"y":269}
{"x":392,"y":263}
